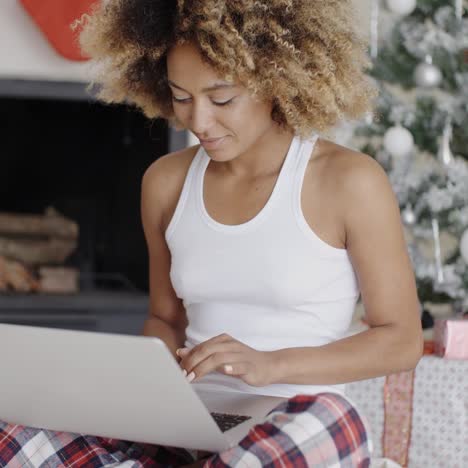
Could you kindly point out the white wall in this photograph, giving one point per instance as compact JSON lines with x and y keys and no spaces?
{"x":25,"y":52}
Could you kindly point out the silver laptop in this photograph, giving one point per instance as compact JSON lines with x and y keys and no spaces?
{"x":118,"y":386}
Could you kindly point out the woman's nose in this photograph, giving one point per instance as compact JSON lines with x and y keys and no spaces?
{"x":201,"y":119}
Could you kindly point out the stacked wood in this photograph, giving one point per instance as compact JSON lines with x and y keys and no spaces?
{"x":50,"y":224}
{"x":37,"y":252}
{"x":37,"y":240}
{"x":33,"y":249}
{"x":58,"y":280}
{"x":15,"y":276}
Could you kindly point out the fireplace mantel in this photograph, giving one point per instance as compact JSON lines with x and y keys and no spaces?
{"x":63,"y":90}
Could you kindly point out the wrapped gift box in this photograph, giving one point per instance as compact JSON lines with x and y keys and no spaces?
{"x":451,"y":338}
{"x":418,"y":418}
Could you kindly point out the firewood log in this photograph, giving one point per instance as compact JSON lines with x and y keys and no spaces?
{"x":3,"y":280}
{"x":33,"y":252}
{"x":17,"y":277}
{"x":61,"y":280}
{"x":51,"y":224}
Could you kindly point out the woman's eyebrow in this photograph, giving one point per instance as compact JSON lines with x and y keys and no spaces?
{"x":210,"y":88}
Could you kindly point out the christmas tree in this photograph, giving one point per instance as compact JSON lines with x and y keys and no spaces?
{"x":419,"y":134}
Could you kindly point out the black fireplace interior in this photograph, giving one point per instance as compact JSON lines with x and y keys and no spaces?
{"x":85,"y":159}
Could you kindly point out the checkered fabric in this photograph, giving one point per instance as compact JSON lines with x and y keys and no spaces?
{"x":33,"y":448}
{"x":322,"y":431}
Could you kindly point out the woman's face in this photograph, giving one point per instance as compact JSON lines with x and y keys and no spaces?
{"x":212,"y":108}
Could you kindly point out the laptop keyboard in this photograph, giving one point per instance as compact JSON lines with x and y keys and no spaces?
{"x":228,"y":421}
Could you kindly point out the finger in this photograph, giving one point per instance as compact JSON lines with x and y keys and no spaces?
{"x":182,"y":352}
{"x":202,"y":351}
{"x":235,"y":368}
{"x":222,"y":338}
{"x":212,"y":363}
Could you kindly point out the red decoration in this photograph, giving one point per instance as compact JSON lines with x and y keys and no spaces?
{"x":54,"y":18}
{"x":429,"y":347}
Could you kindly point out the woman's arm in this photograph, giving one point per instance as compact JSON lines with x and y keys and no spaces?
{"x":378,"y":251}
{"x":167,"y":318}
{"x":171,"y":335}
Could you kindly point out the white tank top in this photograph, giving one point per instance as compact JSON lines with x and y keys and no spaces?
{"x":270,"y":282}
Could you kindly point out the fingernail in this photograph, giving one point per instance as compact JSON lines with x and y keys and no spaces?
{"x":228,"y":368}
{"x":184,"y":372}
{"x":180,"y":351}
{"x":191,"y":376}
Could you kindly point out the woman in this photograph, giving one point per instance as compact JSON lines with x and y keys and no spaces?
{"x":261,"y":238}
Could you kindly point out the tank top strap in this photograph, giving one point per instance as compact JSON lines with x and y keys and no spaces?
{"x":186,"y":197}
{"x":301,"y":161}
{"x":303,"y":157}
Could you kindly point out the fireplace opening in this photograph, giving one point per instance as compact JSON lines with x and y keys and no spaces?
{"x":85,"y":160}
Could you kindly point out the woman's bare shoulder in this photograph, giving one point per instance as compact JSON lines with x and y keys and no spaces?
{"x":346,"y":169}
{"x":341,"y":161}
{"x":346,"y":176}
{"x":163,"y":180}
{"x":171,"y":165}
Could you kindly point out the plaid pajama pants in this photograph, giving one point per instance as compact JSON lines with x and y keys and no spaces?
{"x":323,"y":431}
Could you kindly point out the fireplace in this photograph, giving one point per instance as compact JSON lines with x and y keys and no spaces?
{"x":86,"y":160}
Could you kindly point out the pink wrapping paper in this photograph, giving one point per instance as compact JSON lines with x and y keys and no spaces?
{"x":451,"y":338}
{"x":398,"y":410}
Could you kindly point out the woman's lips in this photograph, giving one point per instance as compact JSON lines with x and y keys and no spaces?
{"x":212,"y":144}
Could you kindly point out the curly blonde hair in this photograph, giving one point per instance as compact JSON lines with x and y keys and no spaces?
{"x":303,"y":55}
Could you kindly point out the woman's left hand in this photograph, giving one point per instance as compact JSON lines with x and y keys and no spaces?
{"x":228,"y":356}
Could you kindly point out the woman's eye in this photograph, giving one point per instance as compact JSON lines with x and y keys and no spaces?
{"x":179,"y":100}
{"x":225,"y":103}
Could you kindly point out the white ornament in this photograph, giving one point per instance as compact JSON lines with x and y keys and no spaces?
{"x":464,"y":246}
{"x":426,"y":74}
{"x":398,"y":141}
{"x":444,"y":154}
{"x":408,"y":215}
{"x":401,"y":7}
{"x":459,"y":9}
